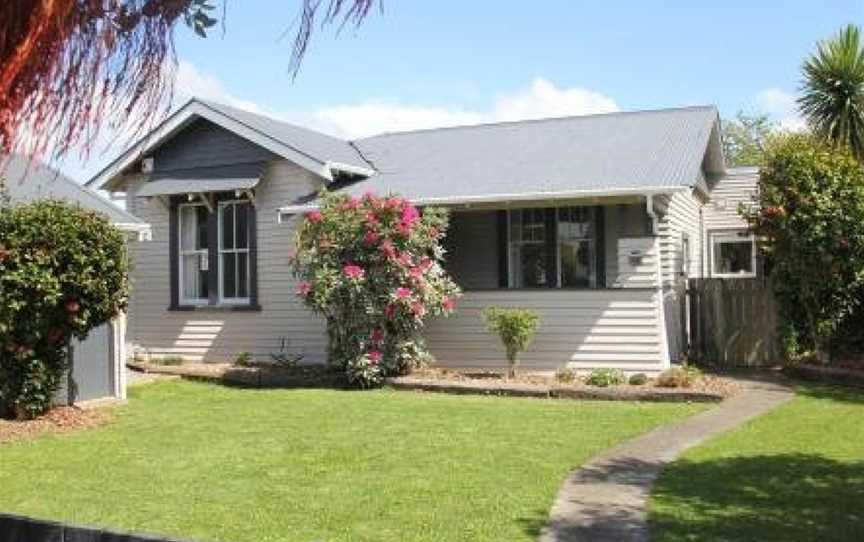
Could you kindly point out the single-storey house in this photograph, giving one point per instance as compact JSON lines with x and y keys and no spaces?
{"x":98,"y":368}
{"x":593,"y":221}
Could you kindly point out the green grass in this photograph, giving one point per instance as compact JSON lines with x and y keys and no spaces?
{"x":796,"y":473}
{"x":215,"y":463}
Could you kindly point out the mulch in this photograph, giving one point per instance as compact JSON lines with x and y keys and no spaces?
{"x":58,"y":420}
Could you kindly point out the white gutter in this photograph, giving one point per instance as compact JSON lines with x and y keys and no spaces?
{"x":508,"y":198}
{"x":347,"y":168}
{"x":144,"y":231}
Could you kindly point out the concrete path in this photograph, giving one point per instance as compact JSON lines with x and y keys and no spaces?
{"x":606,"y":499}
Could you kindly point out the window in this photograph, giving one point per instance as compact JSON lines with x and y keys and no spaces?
{"x":213,"y":260}
{"x":529,"y":260}
{"x":234,"y":252}
{"x":576,"y":248}
{"x":552,"y":248}
{"x":194,"y":257}
{"x":733,"y":254}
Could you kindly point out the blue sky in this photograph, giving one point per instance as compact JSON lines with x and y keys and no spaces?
{"x":423,"y":63}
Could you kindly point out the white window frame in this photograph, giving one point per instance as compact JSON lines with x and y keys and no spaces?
{"x":202,"y":253}
{"x":220,"y":251}
{"x":592,"y":248}
{"x":511,"y":269}
{"x":736,"y":235}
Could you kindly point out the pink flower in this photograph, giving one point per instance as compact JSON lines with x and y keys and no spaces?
{"x":418,"y":309}
{"x":371,"y":237}
{"x":403,"y":229}
{"x":416,"y":273}
{"x":374,"y":357}
{"x":404,"y":259}
{"x":353,"y":271}
{"x":390,"y":310}
{"x":377,"y":336}
{"x":372,"y":219}
{"x":369,"y":195}
{"x":304,"y":288}
{"x":351,"y":204}
{"x":393,"y":202}
{"x":448,"y":303}
{"x":388,"y":249}
{"x":314,"y":216}
{"x":426,"y":264}
{"x":410,"y":215}
{"x":403,"y":293}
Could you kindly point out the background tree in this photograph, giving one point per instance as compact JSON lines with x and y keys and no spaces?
{"x":745,"y":137}
{"x":68,"y":67}
{"x":832,"y":97}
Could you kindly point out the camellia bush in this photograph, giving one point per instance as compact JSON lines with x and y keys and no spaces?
{"x":810,"y":219}
{"x":63,"y":271}
{"x":371,"y":267}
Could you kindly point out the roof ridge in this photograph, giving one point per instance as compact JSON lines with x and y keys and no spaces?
{"x":709,"y":107}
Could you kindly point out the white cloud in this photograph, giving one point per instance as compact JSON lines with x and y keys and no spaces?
{"x":191,"y":82}
{"x":541,"y":99}
{"x":781,"y":106}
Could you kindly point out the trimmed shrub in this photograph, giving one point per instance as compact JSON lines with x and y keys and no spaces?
{"x":515,"y":328}
{"x":604,"y":378}
{"x":565,"y":376}
{"x":63,"y":271}
{"x":678,"y":377}
{"x":371,"y":267}
{"x":638,"y":379}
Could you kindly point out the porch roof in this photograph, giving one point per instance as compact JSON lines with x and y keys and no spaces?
{"x":632,"y":153}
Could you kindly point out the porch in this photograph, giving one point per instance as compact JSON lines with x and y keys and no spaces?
{"x":589,"y":268}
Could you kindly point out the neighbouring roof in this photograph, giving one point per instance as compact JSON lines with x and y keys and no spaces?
{"x":319,"y":153}
{"x":28,"y":180}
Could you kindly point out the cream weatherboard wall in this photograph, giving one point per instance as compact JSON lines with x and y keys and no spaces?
{"x":215,"y":335}
{"x":728,"y":194}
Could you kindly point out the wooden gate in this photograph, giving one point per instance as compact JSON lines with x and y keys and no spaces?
{"x":733,"y":322}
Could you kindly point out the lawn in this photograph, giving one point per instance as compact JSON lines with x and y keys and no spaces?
{"x":213,"y":463}
{"x":796,"y":473}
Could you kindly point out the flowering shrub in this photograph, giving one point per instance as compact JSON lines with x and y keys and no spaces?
{"x":810,"y":219}
{"x":371,"y":267}
{"x":63,"y":271}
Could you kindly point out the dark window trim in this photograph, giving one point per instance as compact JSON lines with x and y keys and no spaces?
{"x":212,"y":258}
{"x":551,"y":242}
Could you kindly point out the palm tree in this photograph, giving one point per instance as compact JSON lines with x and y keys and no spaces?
{"x":832,"y":98}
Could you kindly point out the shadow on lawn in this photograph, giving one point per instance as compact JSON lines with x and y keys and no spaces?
{"x":777,"y":497}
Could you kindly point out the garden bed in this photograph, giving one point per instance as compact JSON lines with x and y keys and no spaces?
{"x":705,"y":389}
{"x":255,"y":376}
{"x":57,"y":420}
{"x":842,"y":375}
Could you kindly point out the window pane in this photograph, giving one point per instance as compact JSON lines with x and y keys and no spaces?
{"x":242,"y":232}
{"x":733,"y":256}
{"x":529,"y":263}
{"x":229,"y":275}
{"x":187,"y":228}
{"x":227,"y":226}
{"x":576,"y":264}
{"x":194,"y":279}
{"x":575,"y":223}
{"x":201,"y":226}
{"x":242,"y":275}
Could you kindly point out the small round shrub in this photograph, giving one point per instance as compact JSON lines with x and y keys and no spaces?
{"x":604,"y":378}
{"x":515,"y":328}
{"x":63,"y":271}
{"x":638,"y":379}
{"x":678,"y":377}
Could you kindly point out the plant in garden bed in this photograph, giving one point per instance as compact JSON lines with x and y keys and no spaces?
{"x":63,"y":271}
{"x":678,"y":377}
{"x":515,"y":328}
{"x":371,"y":267}
{"x":604,"y":378}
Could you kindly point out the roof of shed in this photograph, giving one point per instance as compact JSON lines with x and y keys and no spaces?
{"x":28,"y":180}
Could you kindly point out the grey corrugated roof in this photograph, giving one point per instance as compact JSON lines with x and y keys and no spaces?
{"x":316,"y":145}
{"x":28,"y":181}
{"x":616,"y":151}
